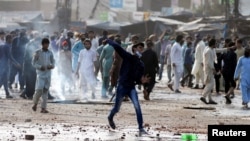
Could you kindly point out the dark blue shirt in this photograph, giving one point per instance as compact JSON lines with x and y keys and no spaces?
{"x":188,"y":58}
{"x":5,"y":57}
{"x":18,"y":48}
{"x":132,"y":68}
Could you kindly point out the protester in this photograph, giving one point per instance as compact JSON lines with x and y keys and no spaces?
{"x":44,"y":62}
{"x":242,"y":71}
{"x":229,"y":64}
{"x":150,"y":60}
{"x":64,"y":67}
{"x":29,"y":71}
{"x":85,"y":70}
{"x":197,"y":69}
{"x":106,"y":59}
{"x":188,"y":63}
{"x":17,"y":51}
{"x":115,"y":69}
{"x":177,"y":63}
{"x":164,"y":42}
{"x":131,"y":73}
{"x":209,"y":71}
{"x":5,"y":58}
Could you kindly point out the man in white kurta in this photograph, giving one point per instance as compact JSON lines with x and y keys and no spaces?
{"x":209,"y":70}
{"x":86,"y":69}
{"x":197,"y":70}
{"x":177,"y":63}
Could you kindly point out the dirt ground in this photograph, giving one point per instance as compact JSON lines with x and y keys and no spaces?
{"x":165,"y":117}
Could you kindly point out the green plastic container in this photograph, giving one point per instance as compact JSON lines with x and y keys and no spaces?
{"x":188,"y":137}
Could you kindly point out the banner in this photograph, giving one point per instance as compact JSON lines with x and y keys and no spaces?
{"x":116,"y":3}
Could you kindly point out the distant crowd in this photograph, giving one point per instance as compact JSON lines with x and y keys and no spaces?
{"x":197,"y":62}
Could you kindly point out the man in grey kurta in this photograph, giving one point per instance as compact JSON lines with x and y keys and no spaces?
{"x":43,"y":60}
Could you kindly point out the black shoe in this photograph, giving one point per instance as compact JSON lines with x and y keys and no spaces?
{"x":245,"y":106}
{"x":212,"y":102}
{"x":34,"y":107}
{"x":146,"y":95}
{"x":50,"y":97}
{"x":228,"y":100}
{"x":177,"y":91}
{"x":196,"y":87}
{"x":170,"y":87}
{"x":182,"y":84}
{"x":203,"y":100}
{"x":203,"y":86}
{"x":23,"y":96}
{"x":9,"y":96}
{"x":111,"y":123}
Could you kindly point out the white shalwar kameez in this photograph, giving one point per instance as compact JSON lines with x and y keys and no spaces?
{"x":176,"y":58}
{"x":86,"y":71}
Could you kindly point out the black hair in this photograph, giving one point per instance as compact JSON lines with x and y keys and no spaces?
{"x":8,"y":37}
{"x":45,"y":41}
{"x":87,"y":40}
{"x":118,"y":41}
{"x":179,"y":38}
{"x":228,"y":40}
{"x":212,"y":42}
{"x":231,"y":44}
{"x":105,"y":32}
{"x":247,"y":52}
{"x":136,"y":45}
{"x":239,"y":41}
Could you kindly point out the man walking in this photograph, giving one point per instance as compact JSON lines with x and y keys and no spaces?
{"x":177,"y":63}
{"x":150,"y":60}
{"x":209,"y":71}
{"x":44,"y":62}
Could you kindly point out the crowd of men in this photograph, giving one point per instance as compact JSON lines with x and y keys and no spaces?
{"x":30,"y":57}
{"x":193,"y":61}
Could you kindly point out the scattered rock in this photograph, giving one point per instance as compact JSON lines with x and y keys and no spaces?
{"x":221,"y":123}
{"x":27,"y":120}
{"x":29,"y":137}
{"x":146,"y":125}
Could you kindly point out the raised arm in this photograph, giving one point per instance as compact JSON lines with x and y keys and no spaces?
{"x":123,"y":53}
